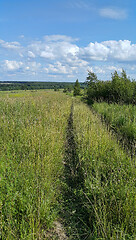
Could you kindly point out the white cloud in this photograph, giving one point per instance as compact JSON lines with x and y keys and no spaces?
{"x":47,"y":54}
{"x":56,"y":68}
{"x":100,"y":70}
{"x":109,"y":51}
{"x":76,"y":62}
{"x":112,"y":68}
{"x":31,"y":54}
{"x":113,"y":13}
{"x":22,"y":67}
{"x":121,"y":50}
{"x":10,"y":45}
{"x":59,"y":68}
{"x":94,"y":51}
{"x":12,"y":65}
{"x":56,"y":38}
{"x":31,"y":67}
{"x":53,"y":49}
{"x":60,"y":55}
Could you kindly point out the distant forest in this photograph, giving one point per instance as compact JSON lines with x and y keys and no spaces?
{"x":120,"y":89}
{"x":10,"y":85}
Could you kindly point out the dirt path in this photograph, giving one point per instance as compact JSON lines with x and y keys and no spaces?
{"x":74,"y":212}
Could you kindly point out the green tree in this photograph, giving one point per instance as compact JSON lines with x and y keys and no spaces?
{"x":91,"y":78}
{"x":92,"y":90}
{"x":122,"y":88}
{"x":76,"y":88}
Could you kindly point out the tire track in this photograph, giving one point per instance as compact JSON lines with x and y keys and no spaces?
{"x":74,"y":212}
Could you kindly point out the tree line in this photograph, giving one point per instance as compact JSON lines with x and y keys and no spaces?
{"x":121,"y":89}
{"x":27,"y":85}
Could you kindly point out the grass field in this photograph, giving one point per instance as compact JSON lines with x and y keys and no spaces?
{"x":119,"y":117}
{"x":109,"y":178}
{"x":59,"y":165}
{"x":32,"y":136}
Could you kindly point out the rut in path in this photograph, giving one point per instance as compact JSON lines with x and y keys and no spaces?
{"x":73,"y":169}
{"x":74,"y":211}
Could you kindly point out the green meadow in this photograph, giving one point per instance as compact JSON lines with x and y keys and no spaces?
{"x":121,"y":119}
{"x":63,"y":174}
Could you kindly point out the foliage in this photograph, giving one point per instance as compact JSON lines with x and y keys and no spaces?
{"x":28,"y":85}
{"x":91,"y":78}
{"x":120,"y":89}
{"x":68,"y":89}
{"x":76,"y":88}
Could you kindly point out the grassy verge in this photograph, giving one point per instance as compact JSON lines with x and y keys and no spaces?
{"x":121,"y":119}
{"x":32,"y":134}
{"x":109,"y":179}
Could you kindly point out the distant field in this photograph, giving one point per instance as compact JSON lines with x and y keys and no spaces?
{"x":60,"y":166}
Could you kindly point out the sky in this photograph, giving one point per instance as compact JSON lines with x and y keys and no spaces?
{"x":61,"y":40}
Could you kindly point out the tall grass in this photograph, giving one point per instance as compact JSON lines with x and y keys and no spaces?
{"x":121,"y":118}
{"x":109,"y":176}
{"x":32,"y":135}
{"x":56,"y":157}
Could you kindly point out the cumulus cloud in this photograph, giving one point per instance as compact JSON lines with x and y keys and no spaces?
{"x":94,"y":51}
{"x":60,"y":68}
{"x":12,"y":65}
{"x":33,"y":66}
{"x":10,"y":45}
{"x":109,"y":51}
{"x":56,"y":68}
{"x":113,"y":13}
{"x":121,"y":50}
{"x":102,"y":69}
{"x":53,"y":49}
{"x":56,"y":54}
{"x":47,"y":54}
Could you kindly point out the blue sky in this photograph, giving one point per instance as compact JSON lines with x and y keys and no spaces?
{"x":60,"y":40}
